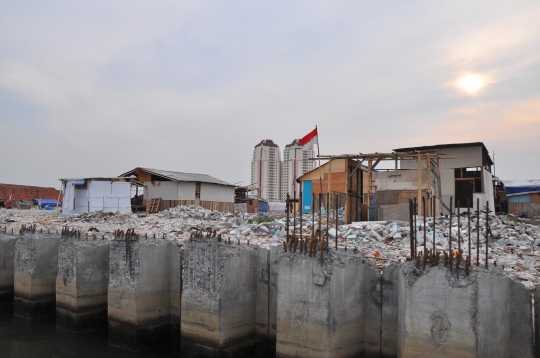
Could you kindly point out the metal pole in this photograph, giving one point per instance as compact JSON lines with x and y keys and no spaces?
{"x":469,"y":226}
{"x":312,"y":214}
{"x":458,"y":227}
{"x":287,"y":210}
{"x":320,"y":231}
{"x":477,"y":231}
{"x":301,"y":236}
{"x":487,"y":231}
{"x":294,"y":194}
{"x":411,"y":236}
{"x":424,"y":209}
{"x":328,"y":216}
{"x":450,"y":230}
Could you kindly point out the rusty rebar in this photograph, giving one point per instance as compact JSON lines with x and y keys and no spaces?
{"x":469,"y":226}
{"x":418,"y":262}
{"x":450,"y":232}
{"x":477,"y":232}
{"x":487,"y":232}
{"x":284,"y":246}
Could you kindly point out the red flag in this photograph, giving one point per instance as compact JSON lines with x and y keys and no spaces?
{"x":308,"y":140}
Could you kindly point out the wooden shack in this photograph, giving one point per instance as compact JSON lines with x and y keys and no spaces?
{"x":346,"y":180}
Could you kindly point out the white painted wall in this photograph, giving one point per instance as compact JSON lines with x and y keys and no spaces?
{"x":400,"y":180}
{"x":448,"y":184}
{"x":166,"y":190}
{"x":186,"y":190}
{"x":219,"y":193}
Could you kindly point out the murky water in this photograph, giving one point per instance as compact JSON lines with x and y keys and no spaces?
{"x":22,"y":338}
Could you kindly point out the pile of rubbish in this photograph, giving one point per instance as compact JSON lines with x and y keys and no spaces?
{"x":513,"y":245}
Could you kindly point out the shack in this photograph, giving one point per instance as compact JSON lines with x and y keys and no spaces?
{"x":172,"y":189}
{"x":11,"y":195}
{"x":523,"y":196}
{"x":465,"y":174}
{"x":86,"y":195}
{"x":346,"y":180}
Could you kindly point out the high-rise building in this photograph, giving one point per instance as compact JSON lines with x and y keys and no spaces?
{"x":266,"y":170}
{"x":296,"y":162}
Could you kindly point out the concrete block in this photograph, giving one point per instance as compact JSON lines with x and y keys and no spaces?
{"x":36,"y":268}
{"x":389,"y":314}
{"x":139,"y":294}
{"x":219,"y":290}
{"x":324,"y":311}
{"x":445,"y":314}
{"x":81,"y":284}
{"x":266,"y":306}
{"x":177,"y":256}
{"x":7,"y":257}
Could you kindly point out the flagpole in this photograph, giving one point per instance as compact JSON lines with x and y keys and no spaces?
{"x":319,"y":155}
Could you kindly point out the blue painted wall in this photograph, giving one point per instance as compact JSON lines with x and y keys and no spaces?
{"x":307,"y":193}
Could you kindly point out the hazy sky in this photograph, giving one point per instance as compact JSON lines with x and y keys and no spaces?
{"x":96,"y":88}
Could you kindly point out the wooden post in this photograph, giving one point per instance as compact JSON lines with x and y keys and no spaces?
{"x":419,"y":200}
{"x":428,"y":166}
{"x":370,"y":181}
{"x":346,"y":212}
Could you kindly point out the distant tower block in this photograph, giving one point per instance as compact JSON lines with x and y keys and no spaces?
{"x":140,"y":293}
{"x":218,"y":299}
{"x":266,"y":171}
{"x":7,"y":255}
{"x":81,"y":284}
{"x":36,"y":267}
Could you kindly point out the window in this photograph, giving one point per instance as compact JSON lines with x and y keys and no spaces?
{"x":467,"y":182}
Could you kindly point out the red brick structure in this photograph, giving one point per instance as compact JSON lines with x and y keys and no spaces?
{"x":26,"y":192}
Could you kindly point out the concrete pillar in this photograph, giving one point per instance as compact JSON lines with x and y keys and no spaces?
{"x":36,"y":267}
{"x":81,"y":284}
{"x":139,"y":293}
{"x":445,"y":315}
{"x":537,"y":321}
{"x":177,"y":256}
{"x":218,"y":299}
{"x":266,"y":306}
{"x":389,"y":316}
{"x":7,"y":257}
{"x":325,"y":311}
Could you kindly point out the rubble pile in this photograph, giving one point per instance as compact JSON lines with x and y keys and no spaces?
{"x":514,"y":244}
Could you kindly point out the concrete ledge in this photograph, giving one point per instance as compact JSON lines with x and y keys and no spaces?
{"x":81,"y":285}
{"x":219,"y":290}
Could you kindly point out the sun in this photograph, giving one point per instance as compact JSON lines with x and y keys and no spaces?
{"x":471,"y":83}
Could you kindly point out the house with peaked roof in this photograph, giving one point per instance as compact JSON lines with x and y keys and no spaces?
{"x":180,"y":188}
{"x":466,"y":174}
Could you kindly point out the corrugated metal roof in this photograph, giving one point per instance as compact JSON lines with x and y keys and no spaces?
{"x":181,"y":176}
{"x":451,"y":145}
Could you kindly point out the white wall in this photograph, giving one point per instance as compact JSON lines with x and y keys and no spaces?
{"x":166,"y":190}
{"x":186,"y":190}
{"x":219,"y":193}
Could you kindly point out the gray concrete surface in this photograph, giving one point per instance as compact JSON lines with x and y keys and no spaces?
{"x":36,"y":267}
{"x":325,"y":311}
{"x":219,"y":290}
{"x":7,"y":256}
{"x":139,"y":294}
{"x":82,"y":284}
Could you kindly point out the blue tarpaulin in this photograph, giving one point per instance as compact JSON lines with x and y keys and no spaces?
{"x":43,"y":202}
{"x":519,"y":187}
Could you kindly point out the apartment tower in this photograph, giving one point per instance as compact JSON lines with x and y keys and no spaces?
{"x":266,"y":170}
{"x":296,"y":162}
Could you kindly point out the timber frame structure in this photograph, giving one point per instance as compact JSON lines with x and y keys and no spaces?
{"x":368,"y":163}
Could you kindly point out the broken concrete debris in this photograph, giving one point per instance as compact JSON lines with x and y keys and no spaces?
{"x":514,"y":244}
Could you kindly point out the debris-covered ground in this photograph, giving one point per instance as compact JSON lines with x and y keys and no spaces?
{"x":514,"y":244}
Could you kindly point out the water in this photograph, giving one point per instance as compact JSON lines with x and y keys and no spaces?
{"x":23,"y":338}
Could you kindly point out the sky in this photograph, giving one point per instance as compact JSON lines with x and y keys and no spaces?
{"x":97,"y":88}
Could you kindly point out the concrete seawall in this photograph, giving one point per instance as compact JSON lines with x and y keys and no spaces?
{"x":7,"y":257}
{"x":330,"y":310}
{"x":82,"y":283}
{"x":444,"y":313}
{"x":219,"y":299}
{"x":36,"y":267}
{"x":139,"y":294}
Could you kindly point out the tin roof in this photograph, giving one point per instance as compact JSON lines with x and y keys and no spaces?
{"x":450,"y":145}
{"x":180,"y":176}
